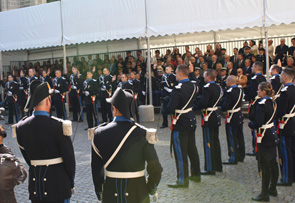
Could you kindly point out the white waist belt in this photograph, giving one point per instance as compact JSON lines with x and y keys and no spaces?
{"x":289,"y":115}
{"x":46,"y":162}
{"x":234,"y":111}
{"x":267,"y":126}
{"x":212,"y":109}
{"x":137,"y":174}
{"x":183,"y":111}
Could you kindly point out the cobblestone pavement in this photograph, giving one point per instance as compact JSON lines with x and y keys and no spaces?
{"x":236,"y":183}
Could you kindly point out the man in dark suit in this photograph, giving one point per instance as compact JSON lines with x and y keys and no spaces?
{"x":47,"y":148}
{"x":120,"y":150}
{"x":234,"y":58}
{"x":281,"y":51}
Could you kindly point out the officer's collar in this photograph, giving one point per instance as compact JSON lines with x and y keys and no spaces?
{"x":289,"y":84}
{"x":122,"y":118}
{"x":41,"y":113}
{"x":33,"y":76}
{"x":267,"y":97}
{"x":277,"y":74}
{"x":233,"y":86}
{"x":258,"y":74}
{"x":211,"y":82}
{"x":184,"y":80}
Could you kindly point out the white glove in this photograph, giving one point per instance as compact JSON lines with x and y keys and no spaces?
{"x":86,"y":93}
{"x":74,"y":87}
{"x":143,"y":93}
{"x":9,"y":93}
{"x":56,"y":91}
{"x":167,"y":89}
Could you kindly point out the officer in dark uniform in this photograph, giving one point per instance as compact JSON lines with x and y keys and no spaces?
{"x":137,"y":91}
{"x":234,"y":122}
{"x":105,"y":85}
{"x":211,"y":95}
{"x":75,"y":96}
{"x":247,"y":54}
{"x":32,"y":76}
{"x":46,"y":78}
{"x":221,"y":79}
{"x":125,"y":83}
{"x":47,"y":148}
{"x":168,"y":82}
{"x":11,"y":89}
{"x":286,"y":116}
{"x":262,"y":121}
{"x":251,"y":93}
{"x":22,"y":93}
{"x":183,"y":128}
{"x":60,"y":88}
{"x":124,"y":170}
{"x":275,"y":79}
{"x":90,"y":91}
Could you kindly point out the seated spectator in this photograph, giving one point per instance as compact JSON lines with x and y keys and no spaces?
{"x":242,"y":50}
{"x":218,"y":50}
{"x":247,"y":70}
{"x":248,"y":54}
{"x":290,"y":63}
{"x":209,"y":56}
{"x":281,"y":51}
{"x":167,"y":55}
{"x":214,"y":62}
{"x":241,"y":78}
{"x":193,"y":61}
{"x":226,"y":60}
{"x":230,"y":69}
{"x":12,"y":172}
{"x":187,"y":58}
{"x":175,"y":53}
{"x":234,"y":58}
{"x":218,"y":68}
{"x":241,"y":61}
{"x":186,"y":50}
{"x":196,"y":52}
{"x":157,"y":57}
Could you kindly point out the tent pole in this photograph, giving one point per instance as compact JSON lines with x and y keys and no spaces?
{"x":65,"y":59}
{"x":214,"y":38}
{"x":266,"y":40}
{"x":1,"y":75}
{"x":148,"y":56}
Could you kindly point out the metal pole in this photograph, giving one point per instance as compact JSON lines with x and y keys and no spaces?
{"x":148,"y":56}
{"x":214,"y":38}
{"x":65,"y":59}
{"x":1,"y":75}
{"x":266,"y":41}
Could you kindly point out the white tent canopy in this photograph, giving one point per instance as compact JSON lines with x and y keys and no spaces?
{"x":97,"y":20}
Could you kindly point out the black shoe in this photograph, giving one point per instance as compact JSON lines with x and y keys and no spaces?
{"x":261,"y":198}
{"x":280,"y":183}
{"x":251,"y":154}
{"x":80,"y":121}
{"x":208,"y":173}
{"x":176,"y":185}
{"x":164,"y":126}
{"x":229,"y":163}
{"x":273,"y":193}
{"x":196,"y":179}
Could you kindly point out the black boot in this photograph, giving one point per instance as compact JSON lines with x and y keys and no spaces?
{"x":264,"y":195}
{"x":261,"y":198}
{"x":274,"y":178}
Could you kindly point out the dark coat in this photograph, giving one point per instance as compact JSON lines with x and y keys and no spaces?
{"x":285,"y":103}
{"x":231,"y":99}
{"x":59,"y":84}
{"x":41,"y":137}
{"x":105,"y":85}
{"x":210,"y":94}
{"x":251,"y":90}
{"x":76,"y":85}
{"x":92,"y":87}
{"x":178,"y":99}
{"x":275,"y":82}
{"x":133,"y":155}
{"x":13,"y":88}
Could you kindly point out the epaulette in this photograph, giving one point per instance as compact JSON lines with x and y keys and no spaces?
{"x":254,"y":77}
{"x":262,"y":101}
{"x":284,"y":89}
{"x":207,"y":85}
{"x":230,"y":89}
{"x":94,"y":80}
{"x":91,"y":131}
{"x":15,"y":125}
{"x":151,"y":134}
{"x":63,"y":78}
{"x":178,"y":86}
{"x":193,"y":81}
{"x":273,"y":77}
{"x":66,"y":126}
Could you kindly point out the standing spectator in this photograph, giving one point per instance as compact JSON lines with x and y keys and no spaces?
{"x":218,"y":50}
{"x":187,"y":58}
{"x":175,"y":53}
{"x":167,"y":55}
{"x":234,"y":58}
{"x":281,"y":51}
{"x":292,"y":48}
{"x":186,"y":50}
{"x":247,"y":54}
{"x":254,"y":48}
{"x":242,"y":50}
{"x":196,"y":52}
{"x":90,"y":61}
{"x":156,"y":57}
{"x":270,"y":49}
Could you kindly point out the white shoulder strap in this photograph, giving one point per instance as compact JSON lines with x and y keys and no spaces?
{"x":119,"y":147}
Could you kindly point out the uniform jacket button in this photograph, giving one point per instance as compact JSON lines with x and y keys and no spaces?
{"x":116,"y":195}
{"x":44,"y":179}
{"x":45,"y":193}
{"x":35,"y":193}
{"x":126,"y":194}
{"x":34,"y":179}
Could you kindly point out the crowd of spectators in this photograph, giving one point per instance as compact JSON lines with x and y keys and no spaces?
{"x":238,"y":64}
